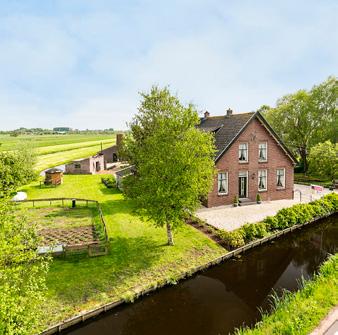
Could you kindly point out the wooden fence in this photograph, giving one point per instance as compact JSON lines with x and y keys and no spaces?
{"x":93,"y":248}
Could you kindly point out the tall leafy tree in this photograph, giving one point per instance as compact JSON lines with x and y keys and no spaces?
{"x":16,"y":168}
{"x":323,"y":160}
{"x":173,"y":160}
{"x":22,"y":275}
{"x":306,"y":118}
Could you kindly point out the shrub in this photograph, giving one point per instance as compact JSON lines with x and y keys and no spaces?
{"x":253,"y":231}
{"x":110,"y":181}
{"x":233,"y":239}
{"x":286,"y":217}
{"x":258,"y":198}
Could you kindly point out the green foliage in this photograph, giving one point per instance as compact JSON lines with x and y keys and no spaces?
{"x":306,"y":118}
{"x":286,"y":217}
{"x":110,"y":181}
{"x":16,"y":168}
{"x":323,"y":160}
{"x":172,"y":158}
{"x":22,"y":275}
{"x":300,"y":312}
{"x":236,"y":200}
{"x":234,"y":239}
{"x":258,"y":197}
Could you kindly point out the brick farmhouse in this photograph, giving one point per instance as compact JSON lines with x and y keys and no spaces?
{"x":250,"y":159}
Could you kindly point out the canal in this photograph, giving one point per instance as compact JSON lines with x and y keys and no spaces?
{"x":226,"y":296}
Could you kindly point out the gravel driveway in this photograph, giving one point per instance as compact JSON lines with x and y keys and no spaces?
{"x":230,"y":218}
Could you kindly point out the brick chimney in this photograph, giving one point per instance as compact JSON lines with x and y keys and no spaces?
{"x":119,"y":138}
{"x":206,"y":114}
{"x":229,"y":111}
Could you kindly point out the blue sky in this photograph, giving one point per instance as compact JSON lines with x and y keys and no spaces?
{"x":81,"y":63}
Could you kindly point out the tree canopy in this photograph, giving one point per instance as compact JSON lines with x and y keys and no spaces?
{"x":173,"y":160}
{"x":323,"y":160}
{"x":306,"y":118}
{"x":16,"y":168}
{"x":22,"y":274}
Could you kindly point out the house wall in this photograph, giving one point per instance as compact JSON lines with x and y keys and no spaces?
{"x":254,"y":134}
{"x":109,"y":154}
{"x":88,"y":165}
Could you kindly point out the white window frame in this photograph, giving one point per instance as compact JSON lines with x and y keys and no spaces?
{"x":227,"y":182}
{"x":266,"y":180}
{"x":247,"y":152}
{"x":284,"y":179}
{"x":266,"y":152}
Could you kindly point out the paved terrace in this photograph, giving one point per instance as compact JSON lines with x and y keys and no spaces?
{"x":230,"y":218}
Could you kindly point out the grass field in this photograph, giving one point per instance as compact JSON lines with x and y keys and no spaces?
{"x":54,"y":150}
{"x":300,"y":312}
{"x":138,"y":255}
{"x":37,"y":141}
{"x":58,"y":217}
{"x":61,"y":157}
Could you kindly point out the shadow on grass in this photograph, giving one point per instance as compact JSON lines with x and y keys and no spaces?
{"x":77,"y":279}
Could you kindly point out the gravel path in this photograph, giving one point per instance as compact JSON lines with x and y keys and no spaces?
{"x":230,"y":218}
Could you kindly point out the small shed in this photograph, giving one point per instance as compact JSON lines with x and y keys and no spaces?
{"x":53,"y":177}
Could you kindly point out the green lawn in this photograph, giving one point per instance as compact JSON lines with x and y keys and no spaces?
{"x":71,"y":146}
{"x":62,"y":157}
{"x":9,"y":142}
{"x":300,"y":312}
{"x":58,"y":217}
{"x":138,"y":258}
{"x":300,"y":178}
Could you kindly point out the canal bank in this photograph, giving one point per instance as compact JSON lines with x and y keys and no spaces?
{"x":226,"y":296}
{"x":107,"y":307}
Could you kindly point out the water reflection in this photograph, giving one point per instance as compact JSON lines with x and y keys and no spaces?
{"x":228,"y":295}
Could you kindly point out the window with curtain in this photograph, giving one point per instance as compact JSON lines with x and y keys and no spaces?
{"x":263,"y":152}
{"x":223,"y":182}
{"x":262,"y":180}
{"x":243,"y":152}
{"x":281,"y":178}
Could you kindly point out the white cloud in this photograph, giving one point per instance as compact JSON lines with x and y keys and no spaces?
{"x":85,"y":68}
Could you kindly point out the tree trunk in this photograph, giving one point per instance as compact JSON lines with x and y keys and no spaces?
{"x":170,"y":235}
{"x":303,"y":154}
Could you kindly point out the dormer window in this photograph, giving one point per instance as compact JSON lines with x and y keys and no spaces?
{"x":263,"y":152}
{"x":243,"y":153}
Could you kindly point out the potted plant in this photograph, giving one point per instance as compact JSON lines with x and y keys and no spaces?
{"x":236,"y":201}
{"x":258,"y":198}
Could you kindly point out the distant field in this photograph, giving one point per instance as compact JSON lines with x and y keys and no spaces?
{"x":54,"y":150}
{"x":9,"y":142}
{"x":62,"y":157}
{"x":71,"y":146}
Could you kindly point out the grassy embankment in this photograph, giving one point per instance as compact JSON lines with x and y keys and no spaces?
{"x":301,"y":312}
{"x":9,"y":142}
{"x":138,"y":258}
{"x":300,"y":178}
{"x":54,"y":150}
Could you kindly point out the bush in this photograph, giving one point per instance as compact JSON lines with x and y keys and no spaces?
{"x":286,"y":217}
{"x":233,"y":239}
{"x":110,"y":181}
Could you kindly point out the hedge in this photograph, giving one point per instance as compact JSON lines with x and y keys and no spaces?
{"x":285,"y":218}
{"x":110,"y":181}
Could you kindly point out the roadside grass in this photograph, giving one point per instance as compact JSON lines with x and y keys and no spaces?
{"x":58,"y":217}
{"x":138,"y":255}
{"x":9,"y":142}
{"x":71,"y":146}
{"x":300,"y":178}
{"x":301,"y":312}
{"x":62,"y":157}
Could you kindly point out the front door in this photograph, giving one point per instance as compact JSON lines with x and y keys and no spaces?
{"x":242,"y":185}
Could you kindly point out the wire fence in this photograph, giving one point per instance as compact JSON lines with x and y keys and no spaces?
{"x":95,"y":248}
